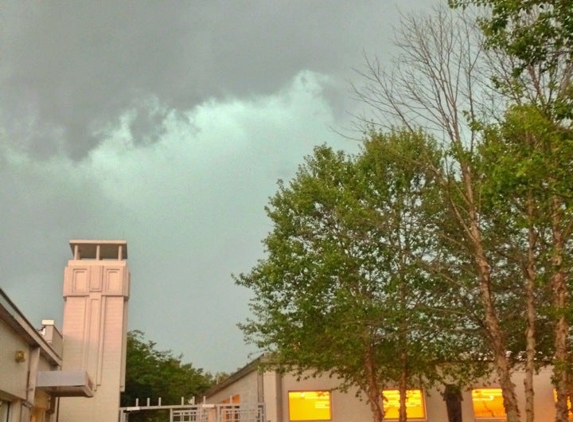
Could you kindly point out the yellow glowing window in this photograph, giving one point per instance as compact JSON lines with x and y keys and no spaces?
{"x":568,"y":404}
{"x":415,"y":408}
{"x":234,"y":399}
{"x":309,"y":405}
{"x":488,"y":403}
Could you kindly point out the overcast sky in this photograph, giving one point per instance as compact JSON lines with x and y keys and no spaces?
{"x":168,"y":124}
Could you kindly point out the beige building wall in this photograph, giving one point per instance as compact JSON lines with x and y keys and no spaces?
{"x":14,"y":374}
{"x":246,"y":384}
{"x":347,"y":407}
{"x":343,"y":406}
{"x":96,"y":291}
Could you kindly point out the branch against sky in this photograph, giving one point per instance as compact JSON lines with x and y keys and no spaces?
{"x":447,"y":68}
{"x":443,"y":83}
{"x":534,"y":32}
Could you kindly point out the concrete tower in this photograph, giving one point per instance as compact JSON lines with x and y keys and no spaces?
{"x":96,"y":291}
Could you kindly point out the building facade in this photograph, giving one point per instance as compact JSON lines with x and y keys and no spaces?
{"x":290,"y":398}
{"x":31,"y":376}
{"x":76,"y":374}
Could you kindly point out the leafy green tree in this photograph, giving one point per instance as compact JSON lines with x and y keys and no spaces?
{"x":151,"y":373}
{"x":527,"y":176}
{"x":534,"y":32}
{"x":341,"y":290}
{"x":535,"y":37}
{"x":506,"y":225}
{"x":441,"y":82}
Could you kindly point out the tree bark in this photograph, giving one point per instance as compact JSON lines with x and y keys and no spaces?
{"x":453,"y":398}
{"x":373,"y":390}
{"x":493,"y":330}
{"x":560,"y":300}
{"x":531,"y":345}
{"x":403,"y":389}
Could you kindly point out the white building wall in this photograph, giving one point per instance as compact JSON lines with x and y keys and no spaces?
{"x":272,"y":395}
{"x":96,"y":291}
{"x":345,"y":407}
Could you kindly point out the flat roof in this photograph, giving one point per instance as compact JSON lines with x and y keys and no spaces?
{"x":109,"y":249}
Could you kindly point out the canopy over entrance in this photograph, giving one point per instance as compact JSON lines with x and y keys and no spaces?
{"x":65,"y":383}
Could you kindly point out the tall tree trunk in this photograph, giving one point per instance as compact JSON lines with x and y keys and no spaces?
{"x":560,"y":302}
{"x":531,"y":345}
{"x":403,"y":383}
{"x":494,"y":333}
{"x":373,"y":390}
{"x":560,"y":364}
{"x":453,"y":398}
{"x":403,"y":388}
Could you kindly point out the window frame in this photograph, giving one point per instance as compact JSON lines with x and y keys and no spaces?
{"x":328,"y":392}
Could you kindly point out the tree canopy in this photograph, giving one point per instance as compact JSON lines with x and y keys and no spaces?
{"x":152,"y":373}
{"x":448,"y":237}
{"x":344,"y":289}
{"x":534,"y":31}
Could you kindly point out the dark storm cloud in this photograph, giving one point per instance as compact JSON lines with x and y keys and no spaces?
{"x":167,"y":124}
{"x":71,"y":68}
{"x":190,"y":206}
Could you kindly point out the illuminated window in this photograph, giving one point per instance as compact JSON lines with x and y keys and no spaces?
{"x":415,"y":408}
{"x":235,"y":399}
{"x":488,"y":403}
{"x":309,"y":405}
{"x":568,"y":404}
{"x":37,"y":415}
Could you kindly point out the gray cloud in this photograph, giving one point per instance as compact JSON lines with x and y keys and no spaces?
{"x":70,"y":68}
{"x":190,"y":206}
{"x":167,"y":124}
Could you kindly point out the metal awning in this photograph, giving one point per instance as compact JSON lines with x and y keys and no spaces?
{"x":65,"y":383}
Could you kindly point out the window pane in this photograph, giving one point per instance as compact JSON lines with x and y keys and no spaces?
{"x":309,"y":405}
{"x":235,"y":399}
{"x":414,"y":404}
{"x":488,"y":403}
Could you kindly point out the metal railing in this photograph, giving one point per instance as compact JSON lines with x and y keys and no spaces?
{"x":203,"y":412}
{"x":219,"y":413}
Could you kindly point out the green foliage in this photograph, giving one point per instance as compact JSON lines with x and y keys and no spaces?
{"x":538,"y":37}
{"x":501,"y":213}
{"x":343,"y":289}
{"x":152,"y":373}
{"x":534,"y":31}
{"x":528,"y":165}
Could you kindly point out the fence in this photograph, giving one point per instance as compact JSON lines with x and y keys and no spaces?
{"x":202,"y":412}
